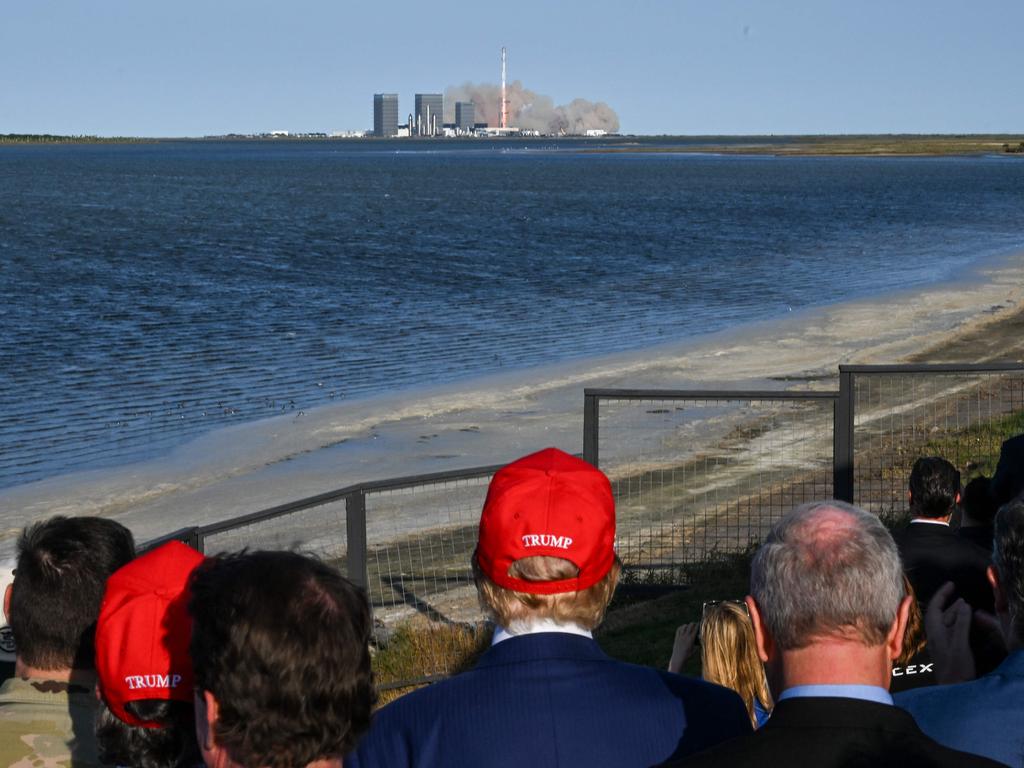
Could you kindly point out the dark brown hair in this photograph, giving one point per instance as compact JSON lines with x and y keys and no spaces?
{"x":281,"y":641}
{"x":62,"y":570}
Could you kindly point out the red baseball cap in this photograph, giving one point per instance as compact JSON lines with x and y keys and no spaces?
{"x":548,"y":503}
{"x":144,"y":629}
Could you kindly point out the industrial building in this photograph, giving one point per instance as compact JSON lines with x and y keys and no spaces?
{"x":465,"y":116}
{"x":428,"y":113}
{"x":385,"y":114}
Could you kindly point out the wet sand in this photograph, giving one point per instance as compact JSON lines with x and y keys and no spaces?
{"x":493,"y":419}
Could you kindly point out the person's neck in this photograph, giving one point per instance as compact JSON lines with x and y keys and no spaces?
{"x":60,"y":675}
{"x":832,"y":661}
{"x":924,"y":519}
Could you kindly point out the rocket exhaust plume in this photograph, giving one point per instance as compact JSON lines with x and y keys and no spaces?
{"x":520,"y":107}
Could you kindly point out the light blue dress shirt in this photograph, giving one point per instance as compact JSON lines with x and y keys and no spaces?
{"x":865,"y":692}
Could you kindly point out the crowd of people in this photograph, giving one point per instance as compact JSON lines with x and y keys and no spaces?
{"x":852,"y":648}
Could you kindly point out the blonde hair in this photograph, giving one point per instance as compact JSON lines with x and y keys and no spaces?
{"x":729,"y":654}
{"x":914,"y":639}
{"x":509,"y":608}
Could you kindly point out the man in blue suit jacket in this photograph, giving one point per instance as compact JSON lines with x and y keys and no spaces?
{"x":544,"y":694}
{"x":986,"y":716}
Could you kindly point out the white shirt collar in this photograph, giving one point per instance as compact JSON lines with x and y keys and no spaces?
{"x":930,"y":522}
{"x":535,"y":627}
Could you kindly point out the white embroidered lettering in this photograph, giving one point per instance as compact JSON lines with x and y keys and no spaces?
{"x":897,"y":672}
{"x":135,"y":682}
{"x":546,"y":540}
{"x":925,"y":668}
{"x":912,"y":669}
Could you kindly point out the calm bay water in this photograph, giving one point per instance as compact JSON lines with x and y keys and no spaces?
{"x":149,"y":293}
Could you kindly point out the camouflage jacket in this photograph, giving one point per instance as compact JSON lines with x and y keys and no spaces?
{"x":47,"y":724}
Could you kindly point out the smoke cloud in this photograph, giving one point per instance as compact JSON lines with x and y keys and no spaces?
{"x":531,"y":111}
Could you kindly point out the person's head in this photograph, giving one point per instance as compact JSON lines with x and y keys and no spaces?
{"x":52,"y":605}
{"x":828,"y":575}
{"x":934,"y":488}
{"x":143,"y":667}
{"x":729,"y":654}
{"x":1006,"y":573}
{"x":978,"y":505}
{"x":547,"y":542}
{"x":281,"y":659}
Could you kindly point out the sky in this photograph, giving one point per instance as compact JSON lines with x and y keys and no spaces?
{"x":191,"y":68}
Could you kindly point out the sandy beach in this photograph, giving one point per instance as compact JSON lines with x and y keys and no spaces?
{"x":245,"y":468}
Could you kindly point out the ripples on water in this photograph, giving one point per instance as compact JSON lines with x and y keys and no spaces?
{"x":150,"y":293}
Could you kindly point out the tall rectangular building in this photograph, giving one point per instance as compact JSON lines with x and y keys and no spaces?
{"x":429,"y":114}
{"x":385,"y":114}
{"x":465,"y":115}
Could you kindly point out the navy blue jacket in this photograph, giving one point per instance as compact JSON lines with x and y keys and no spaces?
{"x":551,"y":700}
{"x":984,"y":716}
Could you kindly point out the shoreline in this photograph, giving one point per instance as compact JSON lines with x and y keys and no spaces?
{"x":244,"y":468}
{"x":789,"y":145}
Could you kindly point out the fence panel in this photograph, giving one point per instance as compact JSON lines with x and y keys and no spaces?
{"x":700,"y":473}
{"x":318,"y":529}
{"x":961,"y":413}
{"x":421,"y":534}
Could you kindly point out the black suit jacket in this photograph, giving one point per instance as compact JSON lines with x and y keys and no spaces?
{"x":1008,"y":480}
{"x":835,"y":733}
{"x":934,"y":554}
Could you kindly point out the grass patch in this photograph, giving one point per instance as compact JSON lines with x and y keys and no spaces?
{"x":977,"y":446}
{"x":640,"y":629}
{"x":416,"y":651}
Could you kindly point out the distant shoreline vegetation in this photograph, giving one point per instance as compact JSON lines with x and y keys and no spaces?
{"x":878,"y":145}
{"x":868,"y":145}
{"x":47,"y":138}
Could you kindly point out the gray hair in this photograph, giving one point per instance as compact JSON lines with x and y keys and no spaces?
{"x":827,"y":568}
{"x":1008,"y":558}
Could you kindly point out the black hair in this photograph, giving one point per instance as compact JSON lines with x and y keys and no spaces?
{"x":1008,"y":557}
{"x":62,"y":570}
{"x":934,"y":484}
{"x":977,"y":500}
{"x":172,"y":745}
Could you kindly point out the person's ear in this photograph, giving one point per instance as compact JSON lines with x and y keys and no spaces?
{"x":898,"y":630}
{"x":1001,"y":600}
{"x":7,"y":601}
{"x":763,"y":639}
{"x":207,"y":712}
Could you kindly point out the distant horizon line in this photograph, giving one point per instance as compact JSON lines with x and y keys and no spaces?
{"x":351,"y":134}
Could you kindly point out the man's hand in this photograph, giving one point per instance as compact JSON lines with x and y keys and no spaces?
{"x":686,"y":637}
{"x":948,"y":629}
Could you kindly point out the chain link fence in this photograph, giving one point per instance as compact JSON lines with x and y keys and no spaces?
{"x":699,"y":474}
{"x":696,"y":474}
{"x":901,"y":413}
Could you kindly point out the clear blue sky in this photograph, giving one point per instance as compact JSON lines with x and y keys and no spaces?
{"x":136,"y":67}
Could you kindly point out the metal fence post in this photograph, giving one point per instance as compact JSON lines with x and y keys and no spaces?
{"x":591,"y":413}
{"x":355,"y":529}
{"x":196,"y":540}
{"x":842,"y":439}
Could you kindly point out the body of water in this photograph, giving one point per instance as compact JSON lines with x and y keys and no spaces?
{"x":150,"y":293}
